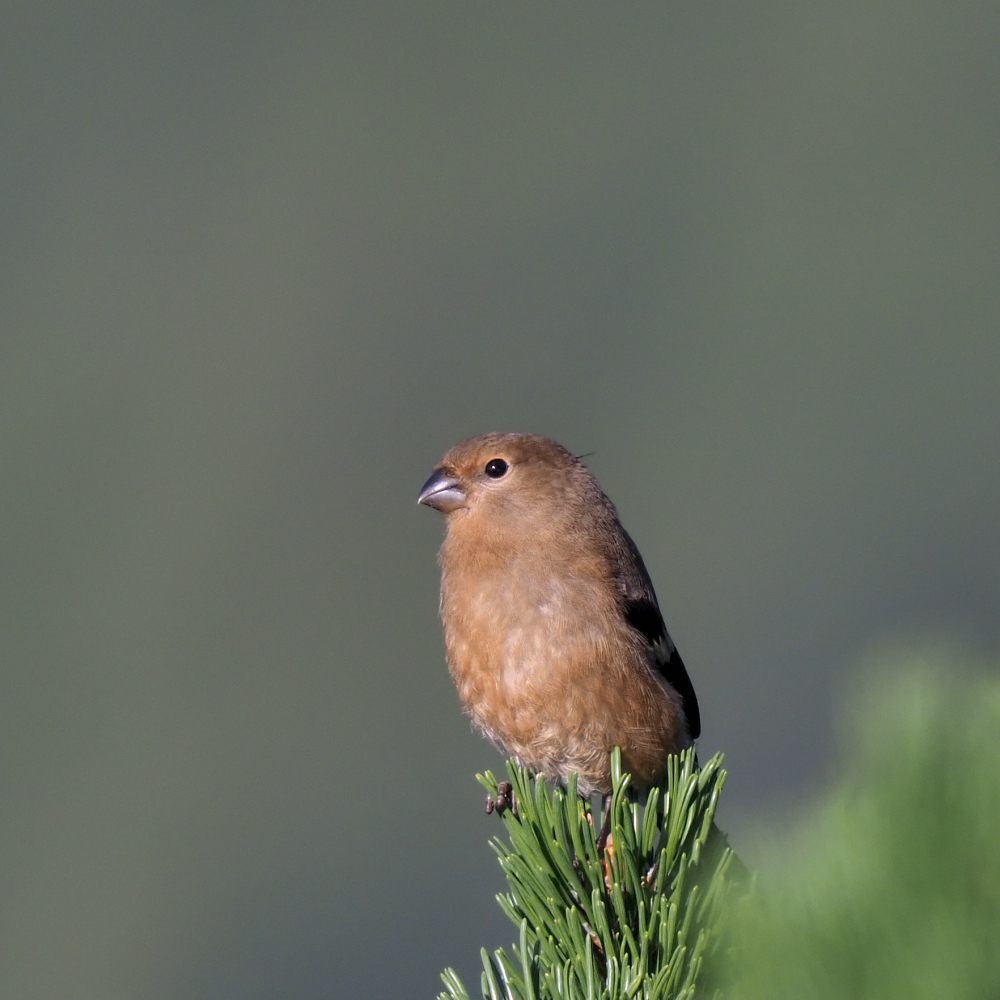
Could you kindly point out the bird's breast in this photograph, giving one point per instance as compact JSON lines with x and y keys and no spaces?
{"x":547,"y":666}
{"x":521,"y":628}
{"x":531,"y":654}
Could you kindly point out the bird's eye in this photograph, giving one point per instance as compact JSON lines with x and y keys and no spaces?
{"x":495,"y":468}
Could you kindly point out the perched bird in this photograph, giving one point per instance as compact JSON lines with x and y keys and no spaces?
{"x":552,"y":631}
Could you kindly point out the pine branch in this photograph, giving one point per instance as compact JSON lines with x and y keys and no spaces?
{"x":637,"y":919}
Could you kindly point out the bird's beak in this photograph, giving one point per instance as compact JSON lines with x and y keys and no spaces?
{"x":442,"y":492}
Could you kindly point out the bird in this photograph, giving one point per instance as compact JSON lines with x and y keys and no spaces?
{"x":553,"y":634}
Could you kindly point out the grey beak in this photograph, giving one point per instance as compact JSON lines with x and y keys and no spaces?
{"x":442,"y":492}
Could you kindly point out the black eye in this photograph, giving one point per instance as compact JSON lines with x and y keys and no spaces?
{"x":495,"y":468}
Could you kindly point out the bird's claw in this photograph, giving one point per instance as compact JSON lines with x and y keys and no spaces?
{"x":505,"y":799}
{"x":605,"y":832}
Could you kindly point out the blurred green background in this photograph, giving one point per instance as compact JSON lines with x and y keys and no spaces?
{"x":263,"y":263}
{"x":890,"y":888}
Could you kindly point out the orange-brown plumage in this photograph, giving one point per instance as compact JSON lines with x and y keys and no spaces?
{"x":552,"y":631}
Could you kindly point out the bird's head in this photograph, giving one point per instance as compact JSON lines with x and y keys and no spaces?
{"x":502,"y":473}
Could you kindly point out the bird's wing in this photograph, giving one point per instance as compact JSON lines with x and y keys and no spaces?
{"x":643,"y":613}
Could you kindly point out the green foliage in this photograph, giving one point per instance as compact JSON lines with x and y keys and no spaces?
{"x":638,"y":920}
{"x":890,"y":888}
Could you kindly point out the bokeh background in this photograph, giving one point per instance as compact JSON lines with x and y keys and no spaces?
{"x":263,"y":263}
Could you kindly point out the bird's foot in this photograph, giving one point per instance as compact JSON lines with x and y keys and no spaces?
{"x":607,"y":862}
{"x":605,"y":834}
{"x":606,"y":844}
{"x":504,"y":800}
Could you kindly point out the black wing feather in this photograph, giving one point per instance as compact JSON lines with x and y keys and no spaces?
{"x":643,"y":613}
{"x":644,"y":616}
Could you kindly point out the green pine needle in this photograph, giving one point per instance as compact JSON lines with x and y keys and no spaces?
{"x":638,"y":921}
